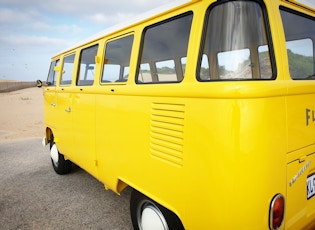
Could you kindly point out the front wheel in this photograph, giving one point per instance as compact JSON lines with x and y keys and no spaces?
{"x":149,"y":215}
{"x":60,"y":165}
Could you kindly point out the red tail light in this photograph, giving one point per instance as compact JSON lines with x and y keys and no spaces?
{"x":277,"y":209}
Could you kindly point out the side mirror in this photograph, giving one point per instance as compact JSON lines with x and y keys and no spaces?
{"x":39,"y":83}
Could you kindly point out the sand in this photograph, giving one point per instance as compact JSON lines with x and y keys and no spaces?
{"x":21,"y":114}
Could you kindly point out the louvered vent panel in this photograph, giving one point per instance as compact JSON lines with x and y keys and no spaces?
{"x":167,"y":129}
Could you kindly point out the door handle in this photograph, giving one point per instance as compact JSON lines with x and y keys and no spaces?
{"x":68,"y":110}
{"x":53,"y":105}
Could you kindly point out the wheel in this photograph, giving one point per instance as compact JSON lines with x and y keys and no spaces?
{"x":149,"y":215}
{"x":60,"y":165}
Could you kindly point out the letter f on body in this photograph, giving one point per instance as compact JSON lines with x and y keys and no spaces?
{"x":307,"y":116}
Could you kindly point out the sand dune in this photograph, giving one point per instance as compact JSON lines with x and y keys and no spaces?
{"x":21,"y":114}
{"x":9,"y":86}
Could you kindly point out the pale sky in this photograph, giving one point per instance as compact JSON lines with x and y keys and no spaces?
{"x":32,"y":31}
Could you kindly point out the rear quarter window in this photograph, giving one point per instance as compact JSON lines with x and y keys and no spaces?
{"x":236,"y":43}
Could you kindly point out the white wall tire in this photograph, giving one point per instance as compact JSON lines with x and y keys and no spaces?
{"x":152,"y":218}
{"x":54,"y":154}
{"x":146,"y":214}
{"x":60,"y":165}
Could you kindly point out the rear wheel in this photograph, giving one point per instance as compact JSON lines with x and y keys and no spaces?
{"x":149,"y":215}
{"x":60,"y":165}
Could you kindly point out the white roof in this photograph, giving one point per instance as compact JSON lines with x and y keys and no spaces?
{"x":133,"y":21}
{"x":309,"y":3}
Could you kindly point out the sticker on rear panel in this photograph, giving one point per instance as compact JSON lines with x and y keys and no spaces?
{"x":310,"y":186}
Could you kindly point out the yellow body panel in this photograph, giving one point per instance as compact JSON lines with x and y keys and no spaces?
{"x":214,"y":153}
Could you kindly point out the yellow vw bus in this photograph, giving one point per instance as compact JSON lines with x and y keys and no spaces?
{"x":205,"y":108}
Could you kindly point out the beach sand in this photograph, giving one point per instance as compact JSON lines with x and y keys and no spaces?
{"x":21,"y":114}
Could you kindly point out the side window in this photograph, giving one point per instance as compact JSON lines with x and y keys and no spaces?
{"x":117,"y":60}
{"x":166,"y":71}
{"x":204,"y":73}
{"x":300,"y":45}
{"x":68,"y":64}
{"x":86,"y":67}
{"x":164,"y":50}
{"x":144,"y":74}
{"x":231,"y":45}
{"x":183,"y":62}
{"x":52,"y":74}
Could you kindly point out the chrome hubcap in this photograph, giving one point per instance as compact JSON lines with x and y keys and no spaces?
{"x":152,"y":219}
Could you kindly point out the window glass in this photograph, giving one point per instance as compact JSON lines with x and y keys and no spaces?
{"x":111,"y":73}
{"x":183,"y":61}
{"x":239,"y":68}
{"x":145,"y":73}
{"x":264,"y":62}
{"x":166,"y":71}
{"x":52,"y":75}
{"x":300,"y":46}
{"x":126,"y":73}
{"x":117,"y":60}
{"x":234,"y":31}
{"x":68,"y":64}
{"x":87,"y":66}
{"x":204,"y":73}
{"x":163,"y":46}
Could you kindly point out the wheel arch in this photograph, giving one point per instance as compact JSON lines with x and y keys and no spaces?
{"x":48,"y":135}
{"x":122,"y":184}
{"x":169,"y":212}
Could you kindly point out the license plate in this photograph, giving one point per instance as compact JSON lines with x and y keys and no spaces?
{"x":310,"y":186}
